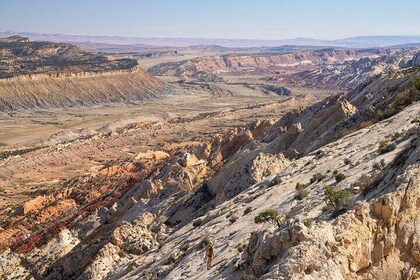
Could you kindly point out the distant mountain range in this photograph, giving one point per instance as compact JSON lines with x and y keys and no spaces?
{"x":352,"y":42}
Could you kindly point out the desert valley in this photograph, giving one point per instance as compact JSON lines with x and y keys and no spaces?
{"x":124,"y":160}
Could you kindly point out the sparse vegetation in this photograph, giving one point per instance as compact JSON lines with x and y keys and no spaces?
{"x":301,"y":191}
{"x":396,"y":136}
{"x":339,"y":177}
{"x":307,"y":222}
{"x":267,"y":216}
{"x":416,"y":120}
{"x":197,"y":223}
{"x":335,"y":199}
{"x":6,"y":154}
{"x":383,"y":143}
{"x":347,"y":161}
{"x":241,"y":247}
{"x":363,"y":183}
{"x":388,"y":148}
{"x":233,"y":218}
{"x":318,"y":177}
{"x":299,"y":186}
{"x":248,"y":210}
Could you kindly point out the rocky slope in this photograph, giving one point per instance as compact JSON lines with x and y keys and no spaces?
{"x":351,"y":73}
{"x":150,"y":217}
{"x":37,"y":75}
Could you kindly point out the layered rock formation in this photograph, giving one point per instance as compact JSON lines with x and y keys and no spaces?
{"x":327,"y":68}
{"x":151,"y":217}
{"x":37,"y":75}
{"x":77,"y":89}
{"x":208,"y":66}
{"x":351,"y":73}
{"x":19,"y":56}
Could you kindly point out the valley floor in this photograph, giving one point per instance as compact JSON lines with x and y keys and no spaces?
{"x":74,"y":141}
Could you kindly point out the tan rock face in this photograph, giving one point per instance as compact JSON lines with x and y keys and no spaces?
{"x":376,"y":240}
{"x":243,"y":171}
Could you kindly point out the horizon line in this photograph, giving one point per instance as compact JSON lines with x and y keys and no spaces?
{"x":202,"y":38}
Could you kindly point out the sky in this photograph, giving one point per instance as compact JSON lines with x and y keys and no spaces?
{"x":227,"y":19}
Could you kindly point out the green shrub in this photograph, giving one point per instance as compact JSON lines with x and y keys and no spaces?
{"x":347,"y":161}
{"x":387,"y":148}
{"x":307,"y":222}
{"x":267,"y":216}
{"x":248,"y":210}
{"x":335,"y":199}
{"x":340,"y":177}
{"x":197,"y":223}
{"x":395,"y":136}
{"x":318,"y":177}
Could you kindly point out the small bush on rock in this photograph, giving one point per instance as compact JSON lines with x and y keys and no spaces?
{"x":340,"y":177}
{"x":248,"y":210}
{"x":335,"y":199}
{"x":388,"y":148}
{"x":307,"y":222}
{"x":318,"y":177}
{"x":197,"y":223}
{"x":267,"y":216}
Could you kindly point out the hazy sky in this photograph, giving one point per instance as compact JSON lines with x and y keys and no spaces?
{"x":260,"y":19}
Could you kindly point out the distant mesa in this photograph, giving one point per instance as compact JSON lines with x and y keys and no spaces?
{"x":14,"y":39}
{"x":36,"y":75}
{"x":20,"y":56}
